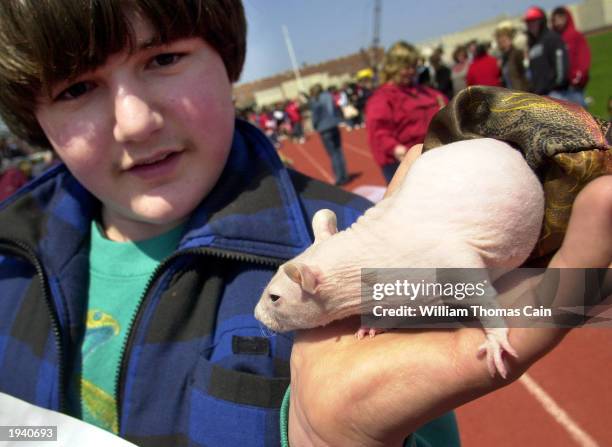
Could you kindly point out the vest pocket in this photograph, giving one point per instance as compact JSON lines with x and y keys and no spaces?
{"x":234,"y":408}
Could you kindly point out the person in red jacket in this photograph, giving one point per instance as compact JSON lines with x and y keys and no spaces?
{"x":578,"y":52}
{"x":399,"y":111}
{"x":11,"y":179}
{"x":292,"y":109}
{"x":484,"y":69}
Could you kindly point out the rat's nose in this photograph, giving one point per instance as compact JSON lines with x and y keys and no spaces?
{"x":274,"y":298}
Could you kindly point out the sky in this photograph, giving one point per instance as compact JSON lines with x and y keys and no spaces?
{"x":326,"y":29}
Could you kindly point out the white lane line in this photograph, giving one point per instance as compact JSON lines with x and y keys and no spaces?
{"x":581,"y":437}
{"x":359,"y":150}
{"x":314,"y":162}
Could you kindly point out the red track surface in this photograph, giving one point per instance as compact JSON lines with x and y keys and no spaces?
{"x":575,"y":406}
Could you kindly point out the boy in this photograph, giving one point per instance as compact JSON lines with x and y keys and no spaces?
{"x":128,"y":275}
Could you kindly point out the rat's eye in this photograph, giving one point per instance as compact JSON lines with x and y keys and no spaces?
{"x":274,"y":298}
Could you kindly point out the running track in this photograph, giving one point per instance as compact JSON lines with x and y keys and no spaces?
{"x":565,"y":400}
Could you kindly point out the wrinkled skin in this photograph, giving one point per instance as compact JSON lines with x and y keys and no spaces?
{"x":380,"y":390}
{"x":452,"y":210}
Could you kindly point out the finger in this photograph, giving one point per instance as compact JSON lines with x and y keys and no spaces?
{"x":499,"y":363}
{"x":491,"y":363}
{"x":588,"y":241}
{"x":410,"y":157}
{"x":508,"y":348}
{"x":360,"y":333}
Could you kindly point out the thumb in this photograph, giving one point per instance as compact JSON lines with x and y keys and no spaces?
{"x":588,"y":241}
{"x":411,"y":156}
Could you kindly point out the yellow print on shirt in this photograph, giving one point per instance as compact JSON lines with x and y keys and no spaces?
{"x":101,"y":327}
{"x":100,"y":405}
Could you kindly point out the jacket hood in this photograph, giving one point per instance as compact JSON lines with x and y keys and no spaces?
{"x":569,"y":25}
{"x":53,"y":213}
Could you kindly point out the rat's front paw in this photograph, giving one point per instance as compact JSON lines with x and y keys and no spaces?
{"x":496,"y":343}
{"x":371,"y":331}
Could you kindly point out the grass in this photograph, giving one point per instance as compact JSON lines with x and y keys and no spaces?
{"x":600,"y":84}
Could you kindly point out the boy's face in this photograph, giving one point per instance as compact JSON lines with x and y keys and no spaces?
{"x":147,"y":133}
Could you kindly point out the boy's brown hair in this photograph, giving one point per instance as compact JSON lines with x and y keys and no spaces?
{"x":46,"y":41}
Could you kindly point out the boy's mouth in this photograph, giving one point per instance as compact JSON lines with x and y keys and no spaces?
{"x":160,"y":164}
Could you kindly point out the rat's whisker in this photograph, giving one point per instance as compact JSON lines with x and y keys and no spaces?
{"x":266,"y":331}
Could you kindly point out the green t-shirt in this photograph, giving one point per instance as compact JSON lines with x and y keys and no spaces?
{"x":118,"y":275}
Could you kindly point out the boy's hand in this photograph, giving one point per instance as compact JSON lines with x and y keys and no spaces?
{"x":374,"y":392}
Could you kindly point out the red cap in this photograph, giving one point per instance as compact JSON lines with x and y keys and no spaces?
{"x":534,"y":13}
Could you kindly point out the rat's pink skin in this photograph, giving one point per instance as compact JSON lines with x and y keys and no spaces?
{"x":471,"y":204}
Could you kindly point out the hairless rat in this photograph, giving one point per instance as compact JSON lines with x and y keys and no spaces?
{"x":469,"y":204}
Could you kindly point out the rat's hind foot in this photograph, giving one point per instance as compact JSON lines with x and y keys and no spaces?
{"x":371,"y":331}
{"x":494,"y":346}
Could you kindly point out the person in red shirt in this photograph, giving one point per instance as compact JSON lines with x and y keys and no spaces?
{"x":292,"y":109}
{"x":578,"y":52}
{"x":399,"y":111}
{"x":11,"y":179}
{"x":268,"y":125}
{"x":484,"y":69}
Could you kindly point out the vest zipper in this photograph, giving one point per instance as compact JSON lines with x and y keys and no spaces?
{"x":225,"y":254}
{"x":30,"y":255}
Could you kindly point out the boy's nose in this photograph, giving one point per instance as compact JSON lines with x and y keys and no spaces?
{"x":135,"y":119}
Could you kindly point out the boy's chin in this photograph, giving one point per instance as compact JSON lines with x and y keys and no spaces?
{"x":139,"y":223}
{"x":163,"y":209}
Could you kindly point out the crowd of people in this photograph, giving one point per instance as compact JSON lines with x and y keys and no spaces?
{"x":555,"y":62}
{"x":19,"y":162}
{"x":397,"y":105}
{"x":285,"y":120}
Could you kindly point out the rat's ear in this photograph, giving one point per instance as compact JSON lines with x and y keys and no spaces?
{"x":324,"y":224}
{"x":305,"y":276}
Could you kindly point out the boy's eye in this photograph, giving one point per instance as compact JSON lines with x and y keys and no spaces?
{"x":165,"y":59}
{"x":75,"y":90}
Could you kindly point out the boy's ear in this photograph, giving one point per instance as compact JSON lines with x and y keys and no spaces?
{"x":324,"y":225}
{"x":305,"y":276}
